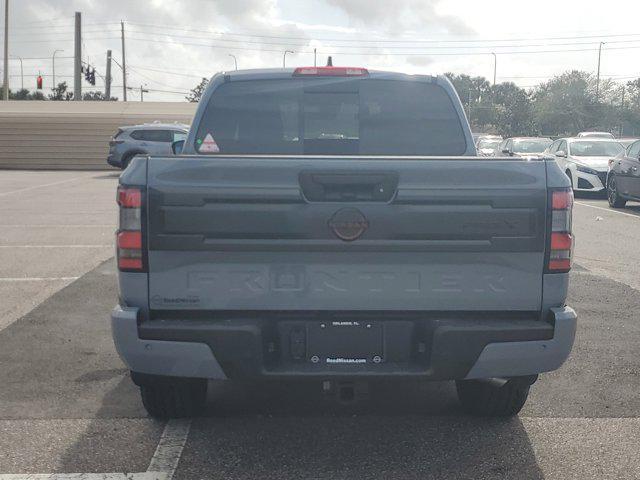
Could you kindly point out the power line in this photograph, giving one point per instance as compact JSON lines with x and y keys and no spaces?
{"x":378,"y":53}
{"x":182,"y":92}
{"x":43,"y":58}
{"x":66,"y":32}
{"x":65,"y":40}
{"x":171,"y":72}
{"x":382,"y":40}
{"x":151,"y":79}
{"x":393,"y":47}
{"x":37,"y":26}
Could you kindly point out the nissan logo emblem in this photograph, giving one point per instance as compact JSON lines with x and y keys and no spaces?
{"x":348,"y":224}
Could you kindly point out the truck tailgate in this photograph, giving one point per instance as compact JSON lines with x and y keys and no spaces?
{"x":345,"y":233}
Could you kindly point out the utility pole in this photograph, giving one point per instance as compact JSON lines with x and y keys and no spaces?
{"x":315,"y":57}
{"x":107,"y":81}
{"x":142,"y":91}
{"x":6,"y":49}
{"x":77,"y":63}
{"x":284,"y":58}
{"x":235,"y":60}
{"x":495,"y":67}
{"x":53,"y":66}
{"x":598,"y":76}
{"x":124,"y":66}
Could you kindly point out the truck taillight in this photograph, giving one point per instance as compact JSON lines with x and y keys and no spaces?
{"x":129,"y":238}
{"x":560,"y":239}
{"x":330,"y":72}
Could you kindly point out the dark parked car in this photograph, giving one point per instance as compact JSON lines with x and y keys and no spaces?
{"x":623,"y":181}
{"x":522,"y":146}
{"x":147,"y":139}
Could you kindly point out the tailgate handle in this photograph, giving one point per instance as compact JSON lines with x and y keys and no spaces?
{"x":348,"y":186}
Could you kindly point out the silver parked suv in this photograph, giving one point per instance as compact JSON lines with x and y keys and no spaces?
{"x":147,"y":139}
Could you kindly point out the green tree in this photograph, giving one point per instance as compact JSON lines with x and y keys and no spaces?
{"x":475,"y":95}
{"x":512,"y":115}
{"x":630,"y":108}
{"x":22,"y":94}
{"x":197,"y":91}
{"x":96,"y":97}
{"x":60,"y":93}
{"x":565,"y":104}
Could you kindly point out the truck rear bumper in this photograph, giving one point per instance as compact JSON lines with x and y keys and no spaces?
{"x":436,"y":348}
{"x":512,"y":359}
{"x":176,"y":359}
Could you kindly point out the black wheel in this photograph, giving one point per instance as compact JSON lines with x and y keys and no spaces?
{"x":615,"y":201}
{"x":126,"y":160}
{"x":568,"y":173}
{"x":174,"y":398}
{"x":486,"y":399}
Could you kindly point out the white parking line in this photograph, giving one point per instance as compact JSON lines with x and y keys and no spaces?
{"x":41,"y":186}
{"x":87,"y":476}
{"x":607,"y":210}
{"x":167,"y":455}
{"x":57,"y":225}
{"x":36,"y":279}
{"x":57,"y":246}
{"x":162,"y":467}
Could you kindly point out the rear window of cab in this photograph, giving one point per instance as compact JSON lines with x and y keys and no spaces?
{"x":331,"y":116}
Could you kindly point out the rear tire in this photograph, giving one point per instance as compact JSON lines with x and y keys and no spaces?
{"x":174,"y":398}
{"x":484,"y":399}
{"x":568,"y":174}
{"x":615,"y":201}
{"x":126,"y":160}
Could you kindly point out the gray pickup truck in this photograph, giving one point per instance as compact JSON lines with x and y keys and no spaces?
{"x":334,"y":224}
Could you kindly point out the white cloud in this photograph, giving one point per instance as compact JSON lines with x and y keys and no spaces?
{"x":179,"y":42}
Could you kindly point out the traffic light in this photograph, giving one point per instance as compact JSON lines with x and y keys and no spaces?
{"x":39,"y":82}
{"x":89,"y":74}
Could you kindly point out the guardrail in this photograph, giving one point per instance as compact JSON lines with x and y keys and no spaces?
{"x":73,"y":135}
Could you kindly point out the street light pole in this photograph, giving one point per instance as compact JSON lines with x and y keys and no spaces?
{"x":21,"y":71}
{"x":284,"y":58}
{"x":495,"y":67}
{"x":235,"y":60}
{"x":77,"y":56}
{"x":124,"y":65}
{"x":53,"y":66}
{"x":598,"y":76}
{"x":6,"y":49}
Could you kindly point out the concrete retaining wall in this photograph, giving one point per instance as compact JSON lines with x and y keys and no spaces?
{"x":73,"y":135}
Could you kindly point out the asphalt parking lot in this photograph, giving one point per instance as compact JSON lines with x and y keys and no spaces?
{"x":67,"y":405}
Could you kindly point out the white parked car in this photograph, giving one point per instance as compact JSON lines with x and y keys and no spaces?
{"x":596,"y":135}
{"x":585,"y":160}
{"x":487,"y":145}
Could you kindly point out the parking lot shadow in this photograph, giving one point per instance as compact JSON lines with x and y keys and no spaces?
{"x":110,"y":443}
{"x":400,"y":431}
{"x":281,"y":430}
{"x":108,"y":176}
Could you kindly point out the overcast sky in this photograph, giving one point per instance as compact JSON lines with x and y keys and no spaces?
{"x":171,"y":43}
